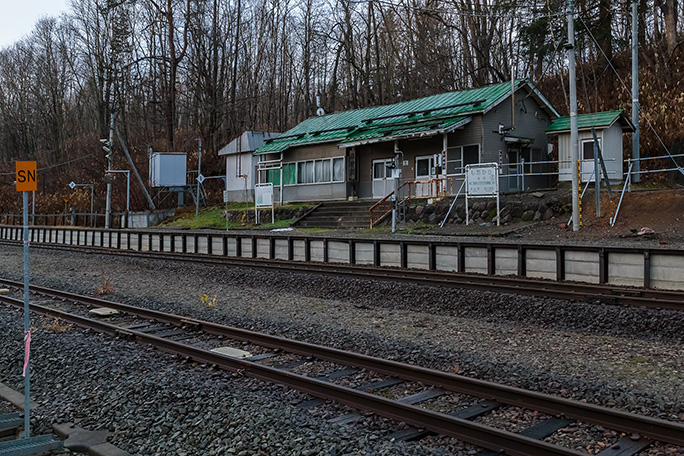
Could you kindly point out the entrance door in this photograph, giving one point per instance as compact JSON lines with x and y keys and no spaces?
{"x":587,"y":160}
{"x":514,"y":170}
{"x":382,"y":178}
{"x":425,"y":170}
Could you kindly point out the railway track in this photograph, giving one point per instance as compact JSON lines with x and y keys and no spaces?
{"x":577,"y":291}
{"x":356,"y":380}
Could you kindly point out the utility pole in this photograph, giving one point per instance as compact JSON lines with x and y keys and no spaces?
{"x":574,"y":146}
{"x":395,"y":181}
{"x":199,"y":173}
{"x":108,"y":146}
{"x":635,"y":92}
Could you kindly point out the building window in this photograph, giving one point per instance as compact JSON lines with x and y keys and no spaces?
{"x":273,"y":176}
{"x":289,"y":174}
{"x":338,"y":169}
{"x":588,"y":149}
{"x":460,"y":156}
{"x":321,"y":171}
{"x":425,"y":167}
{"x":533,"y":157}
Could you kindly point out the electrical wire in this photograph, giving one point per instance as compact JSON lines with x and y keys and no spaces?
{"x":57,"y":165}
{"x":629,"y":92}
{"x":459,"y":12}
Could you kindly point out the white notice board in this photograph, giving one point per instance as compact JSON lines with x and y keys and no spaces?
{"x":482,"y":181}
{"x":263,"y":195}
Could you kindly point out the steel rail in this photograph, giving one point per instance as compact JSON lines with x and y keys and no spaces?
{"x":467,"y":431}
{"x":656,"y":429}
{"x":607,"y":294}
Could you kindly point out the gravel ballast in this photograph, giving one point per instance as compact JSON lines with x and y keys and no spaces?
{"x":154,"y":404}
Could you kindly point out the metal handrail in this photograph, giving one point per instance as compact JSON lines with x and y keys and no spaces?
{"x":434,"y":184}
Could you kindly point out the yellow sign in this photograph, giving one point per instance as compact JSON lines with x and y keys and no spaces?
{"x":26,"y":176}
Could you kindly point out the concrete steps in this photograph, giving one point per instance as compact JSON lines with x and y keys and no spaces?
{"x":338,"y":214}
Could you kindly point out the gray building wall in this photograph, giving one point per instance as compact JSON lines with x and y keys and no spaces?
{"x":312,"y":192}
{"x":235,"y":185}
{"x":530,"y":122}
{"x":366,"y":154}
{"x":470,"y":134}
{"x":611,"y":149}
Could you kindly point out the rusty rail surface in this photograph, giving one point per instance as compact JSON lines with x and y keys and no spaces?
{"x":480,"y":435}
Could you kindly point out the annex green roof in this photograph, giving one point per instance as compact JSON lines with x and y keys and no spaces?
{"x":586,"y":121}
{"x":423,"y":116}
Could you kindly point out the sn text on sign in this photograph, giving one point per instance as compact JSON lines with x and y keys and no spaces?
{"x":26,"y":176}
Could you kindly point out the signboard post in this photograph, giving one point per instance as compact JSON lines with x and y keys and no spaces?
{"x":26,"y":182}
{"x":263,"y":197}
{"x":482,"y":181}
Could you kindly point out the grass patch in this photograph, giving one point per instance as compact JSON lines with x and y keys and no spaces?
{"x":212,"y":217}
{"x":57,"y":326}
{"x":105,"y":288}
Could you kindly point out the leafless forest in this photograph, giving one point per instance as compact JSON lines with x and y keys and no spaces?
{"x":174,"y":71}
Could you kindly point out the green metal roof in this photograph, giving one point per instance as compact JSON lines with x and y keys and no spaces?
{"x":403,"y":129}
{"x":429,"y":114}
{"x":585,"y":121}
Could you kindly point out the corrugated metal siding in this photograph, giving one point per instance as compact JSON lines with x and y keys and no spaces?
{"x":315,"y":192}
{"x":470,"y":134}
{"x":612,"y":148}
{"x":312,"y":152}
{"x":249,"y":162}
{"x":530,"y":122}
{"x":371,"y":152}
{"x":565,"y":167}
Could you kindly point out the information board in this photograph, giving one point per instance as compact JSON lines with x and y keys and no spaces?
{"x":263,"y":195}
{"x":482,"y":179}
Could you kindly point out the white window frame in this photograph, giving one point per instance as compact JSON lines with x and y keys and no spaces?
{"x":590,"y":140}
{"x":461,"y":168}
{"x":314,"y":163}
{"x":431,"y":166}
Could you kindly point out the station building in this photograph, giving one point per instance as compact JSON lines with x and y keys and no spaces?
{"x":351,"y":154}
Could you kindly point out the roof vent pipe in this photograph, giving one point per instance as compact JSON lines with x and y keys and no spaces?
{"x":512,"y":95}
{"x":320,"y":111}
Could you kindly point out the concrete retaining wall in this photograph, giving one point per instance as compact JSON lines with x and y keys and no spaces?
{"x":649,"y":268}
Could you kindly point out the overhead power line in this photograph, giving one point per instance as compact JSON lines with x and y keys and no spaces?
{"x":458,"y":12}
{"x":629,"y":92}
{"x":57,"y":165}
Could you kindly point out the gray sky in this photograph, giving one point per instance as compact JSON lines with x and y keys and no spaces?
{"x":19,"y":17}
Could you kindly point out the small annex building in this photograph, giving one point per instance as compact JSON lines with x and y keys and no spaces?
{"x":349,"y":154}
{"x":609,"y":127}
{"x":241,"y":163}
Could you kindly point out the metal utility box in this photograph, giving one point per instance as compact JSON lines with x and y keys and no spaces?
{"x":168,"y":169}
